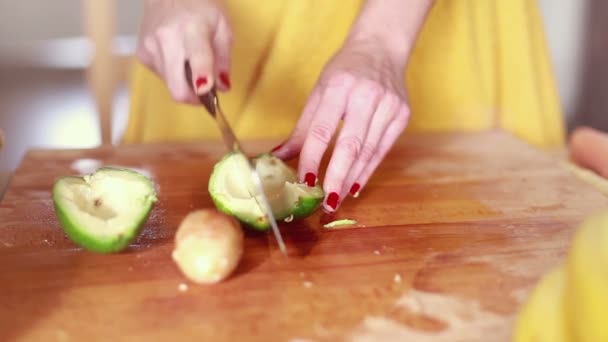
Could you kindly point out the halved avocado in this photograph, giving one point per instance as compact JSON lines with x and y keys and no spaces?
{"x":232,"y":189}
{"x":104,"y":211}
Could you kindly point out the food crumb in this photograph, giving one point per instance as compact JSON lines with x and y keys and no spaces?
{"x":377,"y":252}
{"x":288,"y":218}
{"x":388,"y":249}
{"x":397,"y":278}
{"x":183,"y":287}
{"x":307,"y":284}
{"x":62,"y":335}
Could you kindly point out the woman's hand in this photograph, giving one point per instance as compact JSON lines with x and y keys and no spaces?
{"x":363,"y":85}
{"x":173,"y":32}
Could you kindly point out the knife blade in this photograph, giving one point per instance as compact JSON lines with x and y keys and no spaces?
{"x":211,"y":102}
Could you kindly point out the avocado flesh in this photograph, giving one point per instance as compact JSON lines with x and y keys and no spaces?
{"x":103,"y":211}
{"x":232,"y":190}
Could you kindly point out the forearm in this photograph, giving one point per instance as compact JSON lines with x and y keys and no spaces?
{"x":393,"y":23}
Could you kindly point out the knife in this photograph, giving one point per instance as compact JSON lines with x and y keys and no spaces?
{"x":211,"y":103}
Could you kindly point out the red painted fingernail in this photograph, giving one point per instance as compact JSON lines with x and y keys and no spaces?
{"x":310,"y":179}
{"x":277,"y":148}
{"x":201,"y":81}
{"x":225,"y":79}
{"x":354,"y":189}
{"x":332,"y":200}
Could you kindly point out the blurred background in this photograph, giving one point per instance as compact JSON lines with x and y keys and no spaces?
{"x":47,"y":98}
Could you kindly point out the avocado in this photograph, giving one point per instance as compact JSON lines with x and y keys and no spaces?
{"x":231,"y":187}
{"x":103,"y":211}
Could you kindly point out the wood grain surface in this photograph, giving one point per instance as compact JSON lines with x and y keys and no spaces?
{"x":453,"y":231}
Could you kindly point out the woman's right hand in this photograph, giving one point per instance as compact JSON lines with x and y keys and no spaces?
{"x":173,"y":32}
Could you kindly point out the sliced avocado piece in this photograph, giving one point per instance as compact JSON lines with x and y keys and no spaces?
{"x":338,"y":223}
{"x":231,"y":188}
{"x":104,"y":211}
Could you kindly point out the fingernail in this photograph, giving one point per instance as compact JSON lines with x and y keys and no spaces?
{"x":277,"y":148}
{"x":354,"y":189}
{"x":225,"y":79}
{"x":201,"y":81}
{"x":310,"y":179}
{"x":332,"y":200}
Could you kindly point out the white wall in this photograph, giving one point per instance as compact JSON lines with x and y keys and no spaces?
{"x":564,"y":25}
{"x":48,"y":19}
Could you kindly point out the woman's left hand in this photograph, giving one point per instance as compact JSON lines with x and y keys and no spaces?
{"x":363,"y":85}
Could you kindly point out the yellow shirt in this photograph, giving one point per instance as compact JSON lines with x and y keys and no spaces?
{"x":477,"y":65}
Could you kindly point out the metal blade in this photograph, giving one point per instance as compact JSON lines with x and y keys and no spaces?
{"x":265,"y":207}
{"x":211,"y":103}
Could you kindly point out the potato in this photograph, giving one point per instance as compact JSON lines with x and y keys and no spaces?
{"x":208,"y":246}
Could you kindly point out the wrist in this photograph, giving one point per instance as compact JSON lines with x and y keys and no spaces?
{"x":390,"y":25}
{"x":396,"y":48}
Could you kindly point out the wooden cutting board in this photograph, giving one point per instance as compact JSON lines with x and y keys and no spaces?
{"x":453,"y":231}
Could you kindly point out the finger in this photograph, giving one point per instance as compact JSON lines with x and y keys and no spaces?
{"x":222,"y":44}
{"x":200,"y":53}
{"x":172,"y":54}
{"x":292,"y":146}
{"x":393,"y":131}
{"x":324,"y":122}
{"x":385,"y":112}
{"x":361,"y":105}
{"x":148,"y":54}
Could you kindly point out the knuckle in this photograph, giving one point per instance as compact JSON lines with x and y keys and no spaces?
{"x":405,"y":112}
{"x":192,"y":25}
{"x":371,"y":88}
{"x":229,"y":36}
{"x":308,"y":163}
{"x":149,"y":43}
{"x":365,"y":97}
{"x":367,"y":152}
{"x":321,"y":132}
{"x":340,"y":79}
{"x":164,"y":32}
{"x":393,"y":103}
{"x":179,"y":95}
{"x":297,"y":135}
{"x":351,"y":146}
{"x":402,"y":118}
{"x":144,"y":57}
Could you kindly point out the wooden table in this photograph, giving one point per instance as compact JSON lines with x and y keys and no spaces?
{"x":453,"y":231}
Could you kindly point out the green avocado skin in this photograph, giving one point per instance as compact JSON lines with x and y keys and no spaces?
{"x":304,"y":208}
{"x":81,"y":237}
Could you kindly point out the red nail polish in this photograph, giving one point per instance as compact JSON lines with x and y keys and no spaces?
{"x":276,"y":148}
{"x":332,"y":200}
{"x":225,"y":79}
{"x":355,"y":188}
{"x":310,"y":179}
{"x":201,"y":81}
